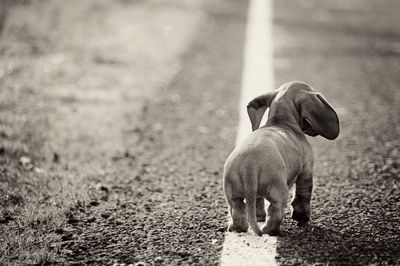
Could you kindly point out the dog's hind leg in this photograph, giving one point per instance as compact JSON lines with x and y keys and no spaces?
{"x":239,"y":218}
{"x":260,"y":210}
{"x":278,"y":197}
{"x":301,"y":202}
{"x":237,"y":208}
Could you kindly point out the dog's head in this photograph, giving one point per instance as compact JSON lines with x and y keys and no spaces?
{"x":296,"y":101}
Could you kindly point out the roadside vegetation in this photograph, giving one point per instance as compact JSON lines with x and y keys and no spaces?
{"x":34,"y":202}
{"x":73,"y":84}
{"x":36,"y":193}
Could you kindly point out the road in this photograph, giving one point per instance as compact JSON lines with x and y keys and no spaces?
{"x":113,"y":137}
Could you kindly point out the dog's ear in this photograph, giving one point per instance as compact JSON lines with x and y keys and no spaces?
{"x":256,"y":108}
{"x":317,"y":116}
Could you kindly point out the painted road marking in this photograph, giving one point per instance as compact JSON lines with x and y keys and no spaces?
{"x":247,"y":248}
{"x":257,"y":77}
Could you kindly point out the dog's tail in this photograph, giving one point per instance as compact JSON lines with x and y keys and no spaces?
{"x":250,"y":188}
{"x":251,"y":213}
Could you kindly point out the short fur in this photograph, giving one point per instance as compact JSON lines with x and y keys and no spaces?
{"x":276,"y":156}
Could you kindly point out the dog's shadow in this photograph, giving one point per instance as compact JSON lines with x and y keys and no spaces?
{"x":313,"y":244}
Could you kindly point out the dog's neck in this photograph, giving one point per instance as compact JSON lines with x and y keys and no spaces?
{"x":286,"y":119}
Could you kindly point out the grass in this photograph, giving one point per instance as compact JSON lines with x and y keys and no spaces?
{"x":33,"y":201}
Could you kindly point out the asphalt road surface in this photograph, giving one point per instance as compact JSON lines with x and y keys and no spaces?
{"x":135,"y":126}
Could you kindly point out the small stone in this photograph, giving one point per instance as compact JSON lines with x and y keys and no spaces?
{"x":59,"y":231}
{"x":91,"y":219}
{"x":94,"y":203}
{"x":72,"y":220}
{"x":56,"y":157}
{"x":102,"y":188}
{"x":67,"y":237}
{"x":24,"y":160}
{"x":158,"y":260}
{"x":104,"y":197}
{"x":67,"y":251}
{"x":38,"y":170}
{"x":105,"y":215}
{"x":159,"y":190}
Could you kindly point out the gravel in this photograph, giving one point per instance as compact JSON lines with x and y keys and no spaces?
{"x":337,"y":48}
{"x":165,"y":204}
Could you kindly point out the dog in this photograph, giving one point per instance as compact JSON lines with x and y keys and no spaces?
{"x":275,"y":157}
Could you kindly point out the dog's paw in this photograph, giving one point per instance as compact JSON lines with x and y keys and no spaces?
{"x":272,"y":231}
{"x":261,"y":218}
{"x":301,"y":217}
{"x":303,"y":224}
{"x":237,"y":228}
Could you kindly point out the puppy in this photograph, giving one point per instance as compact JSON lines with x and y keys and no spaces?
{"x":276,"y":156}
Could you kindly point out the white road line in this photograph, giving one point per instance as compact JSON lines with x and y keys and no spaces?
{"x":258,"y":73}
{"x":247,"y":248}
